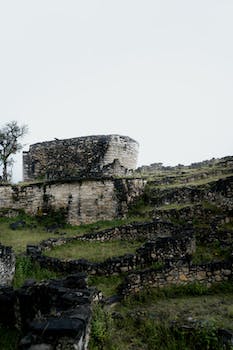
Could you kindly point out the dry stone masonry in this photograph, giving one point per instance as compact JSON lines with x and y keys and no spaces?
{"x":178,"y":274}
{"x":50,"y":315}
{"x":83,"y":177}
{"x":83,"y":201}
{"x":81,"y":157}
{"x":7,"y":265}
{"x":167,"y":242}
{"x":218,"y":192}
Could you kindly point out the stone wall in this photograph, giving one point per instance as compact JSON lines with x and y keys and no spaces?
{"x":217,"y":192}
{"x":180,"y":244}
{"x":178,"y":274}
{"x":196,"y":211}
{"x":51,"y":314}
{"x":7,"y":265}
{"x":80,"y":157}
{"x":136,"y":231}
{"x":83,"y":201}
{"x":214,"y":164}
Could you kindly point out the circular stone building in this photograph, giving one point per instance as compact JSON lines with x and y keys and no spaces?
{"x":90,"y":156}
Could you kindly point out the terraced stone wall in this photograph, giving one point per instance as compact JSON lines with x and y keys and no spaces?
{"x":178,"y":274}
{"x":218,"y":192}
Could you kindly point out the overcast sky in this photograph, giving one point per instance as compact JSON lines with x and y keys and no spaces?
{"x":159,"y":71}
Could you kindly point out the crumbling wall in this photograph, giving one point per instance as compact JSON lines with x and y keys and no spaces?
{"x":80,"y":157}
{"x":178,"y":246}
{"x":218,"y":192}
{"x":7,"y":265}
{"x":52,"y":314}
{"x":135,"y":231}
{"x":83,"y":201}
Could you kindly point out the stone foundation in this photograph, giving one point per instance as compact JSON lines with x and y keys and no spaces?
{"x":82,"y":201}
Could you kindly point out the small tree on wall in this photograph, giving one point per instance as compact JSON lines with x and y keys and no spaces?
{"x":10,"y":134}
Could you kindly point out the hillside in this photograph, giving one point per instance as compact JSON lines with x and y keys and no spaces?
{"x":164,"y":269}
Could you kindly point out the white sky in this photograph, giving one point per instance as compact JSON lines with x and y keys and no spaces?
{"x":159,"y":71}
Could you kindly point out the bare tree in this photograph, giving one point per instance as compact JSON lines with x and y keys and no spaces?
{"x":9,"y":144}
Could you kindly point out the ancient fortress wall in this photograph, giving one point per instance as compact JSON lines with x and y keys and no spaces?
{"x":83,"y":201}
{"x":80,"y":157}
{"x":80,"y":176}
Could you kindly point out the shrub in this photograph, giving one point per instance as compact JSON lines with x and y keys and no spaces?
{"x":101,"y":327}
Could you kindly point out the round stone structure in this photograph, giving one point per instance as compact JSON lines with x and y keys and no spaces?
{"x":90,"y":156}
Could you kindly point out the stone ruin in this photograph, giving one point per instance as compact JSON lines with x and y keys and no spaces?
{"x":52,"y":314}
{"x":85,"y":178}
{"x":56,"y":314}
{"x":82,"y":157}
{"x":7,"y":265}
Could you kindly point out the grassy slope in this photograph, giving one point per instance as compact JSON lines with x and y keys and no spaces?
{"x":18,"y":239}
{"x":138,"y":323}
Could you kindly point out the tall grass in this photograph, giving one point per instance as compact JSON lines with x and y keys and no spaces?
{"x":26,"y":269}
{"x":117,"y":332}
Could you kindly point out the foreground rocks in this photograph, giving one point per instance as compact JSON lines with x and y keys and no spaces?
{"x":52,"y":314}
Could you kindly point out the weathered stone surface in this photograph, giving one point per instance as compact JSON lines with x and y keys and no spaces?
{"x":7,"y":265}
{"x":51,"y":314}
{"x":217,"y":192}
{"x":181,"y":273}
{"x":82,"y":157}
{"x":83,"y":201}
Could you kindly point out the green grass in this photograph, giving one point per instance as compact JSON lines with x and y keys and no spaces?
{"x":157,"y":326}
{"x":94,"y":251}
{"x":228,"y":226}
{"x":20,"y":238}
{"x":200,"y":182}
{"x":176,"y":206}
{"x":26,"y":269}
{"x":106,"y":284}
{"x":152,"y":295}
{"x":146,"y":320}
{"x":208,"y":253}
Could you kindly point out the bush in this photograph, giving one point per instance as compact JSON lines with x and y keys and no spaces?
{"x":101,"y":328}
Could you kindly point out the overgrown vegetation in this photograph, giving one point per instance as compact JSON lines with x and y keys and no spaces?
{"x":26,"y":269}
{"x":181,"y":317}
{"x":207,"y":253}
{"x":108,"y":285}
